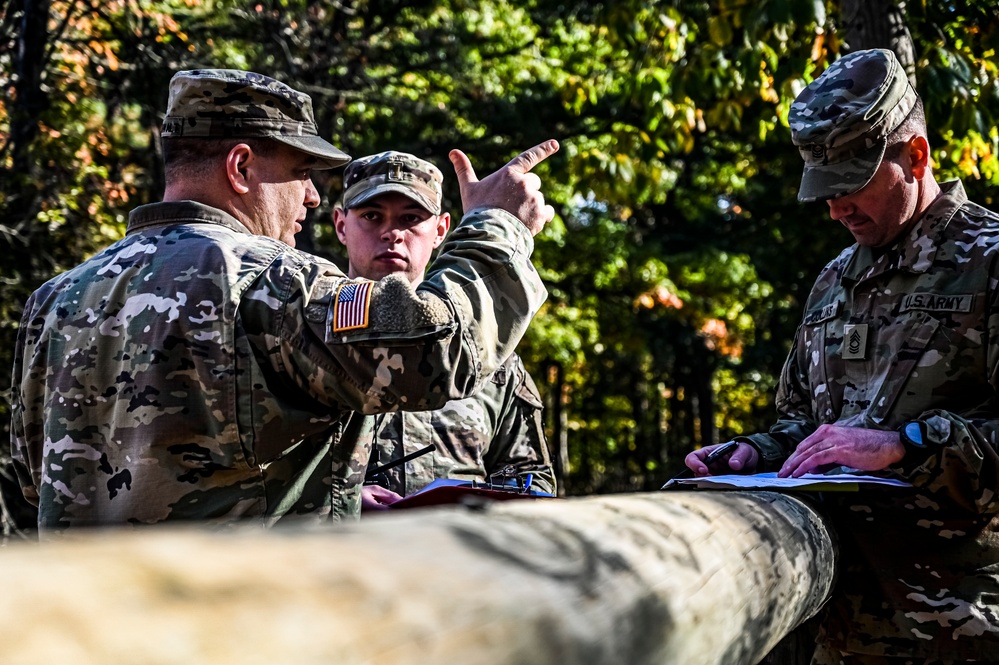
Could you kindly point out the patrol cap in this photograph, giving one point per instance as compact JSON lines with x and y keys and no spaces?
{"x":391,"y":171}
{"x":224,"y":103}
{"x":841,"y":122}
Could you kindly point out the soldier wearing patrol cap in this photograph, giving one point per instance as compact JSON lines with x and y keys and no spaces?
{"x":200,"y":367}
{"x":389,"y":217}
{"x":894,"y":372}
{"x":390,"y":220}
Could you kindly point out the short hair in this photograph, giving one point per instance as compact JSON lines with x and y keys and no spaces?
{"x":195,"y":157}
{"x":913,"y":125}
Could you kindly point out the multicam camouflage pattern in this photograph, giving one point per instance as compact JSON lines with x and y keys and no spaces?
{"x":223,"y":103}
{"x":840,"y":121}
{"x":188,"y":371}
{"x":826,"y":655}
{"x":474,"y":437}
{"x":922,"y":575}
{"x":391,"y":171}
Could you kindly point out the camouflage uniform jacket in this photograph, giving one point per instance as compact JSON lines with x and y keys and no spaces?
{"x":921,"y":566}
{"x":497,"y":427}
{"x":193,"y":370}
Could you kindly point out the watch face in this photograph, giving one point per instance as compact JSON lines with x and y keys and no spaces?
{"x":914,"y":433}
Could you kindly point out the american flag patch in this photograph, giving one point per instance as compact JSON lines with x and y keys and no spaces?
{"x":350,"y":309}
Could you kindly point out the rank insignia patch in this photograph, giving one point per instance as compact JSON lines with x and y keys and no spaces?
{"x":855,"y":341}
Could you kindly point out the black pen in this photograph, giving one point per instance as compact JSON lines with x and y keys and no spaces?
{"x":721,"y":451}
{"x":374,"y":471}
{"x":715,"y":455}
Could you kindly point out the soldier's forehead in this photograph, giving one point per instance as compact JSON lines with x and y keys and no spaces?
{"x":382,"y":201}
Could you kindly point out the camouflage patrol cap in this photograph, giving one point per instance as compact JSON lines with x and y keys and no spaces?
{"x":391,"y":171}
{"x":841,"y":121}
{"x":224,"y":103}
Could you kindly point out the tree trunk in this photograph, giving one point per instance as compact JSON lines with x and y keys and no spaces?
{"x":556,"y":420}
{"x":559,"y":445}
{"x":30,"y":100}
{"x":17,"y":517}
{"x":703,"y":373}
{"x":879,"y":24}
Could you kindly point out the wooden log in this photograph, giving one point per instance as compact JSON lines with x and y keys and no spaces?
{"x":672,"y":577}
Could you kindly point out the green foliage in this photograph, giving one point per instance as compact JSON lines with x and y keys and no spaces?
{"x":679,"y":258}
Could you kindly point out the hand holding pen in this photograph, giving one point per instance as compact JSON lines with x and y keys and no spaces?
{"x":731,"y":456}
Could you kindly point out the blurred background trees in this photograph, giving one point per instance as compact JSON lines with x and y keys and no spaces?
{"x":679,"y":258}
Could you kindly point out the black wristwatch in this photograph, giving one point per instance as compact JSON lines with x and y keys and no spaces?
{"x":914,"y":438}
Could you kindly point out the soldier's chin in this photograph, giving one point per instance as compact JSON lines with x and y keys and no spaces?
{"x":855,"y":223}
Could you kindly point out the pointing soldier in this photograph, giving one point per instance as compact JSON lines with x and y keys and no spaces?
{"x":894,"y":370}
{"x":199,"y":367}
{"x":390,"y":220}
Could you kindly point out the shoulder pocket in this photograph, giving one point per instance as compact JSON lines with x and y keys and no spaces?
{"x":390,"y":309}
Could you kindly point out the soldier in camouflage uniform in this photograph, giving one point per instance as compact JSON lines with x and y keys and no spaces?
{"x":200,"y":367}
{"x":390,"y":221}
{"x":894,"y":371}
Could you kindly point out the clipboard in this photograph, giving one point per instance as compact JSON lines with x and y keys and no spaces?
{"x":444,"y":491}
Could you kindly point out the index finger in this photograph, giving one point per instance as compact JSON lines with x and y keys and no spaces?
{"x":796,"y":460}
{"x":530,"y":158}
{"x":694,"y":462}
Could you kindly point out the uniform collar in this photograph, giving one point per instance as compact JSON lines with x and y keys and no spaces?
{"x":181,"y":212}
{"x":916,"y":250}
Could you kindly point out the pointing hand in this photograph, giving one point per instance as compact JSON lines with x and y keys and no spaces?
{"x":512,"y":188}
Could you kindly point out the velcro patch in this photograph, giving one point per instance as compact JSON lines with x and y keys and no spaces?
{"x":855,"y":341}
{"x":936,"y":303}
{"x":828,"y":312}
{"x":350,"y":306}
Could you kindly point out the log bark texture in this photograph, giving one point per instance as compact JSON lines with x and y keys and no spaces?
{"x":672,"y":577}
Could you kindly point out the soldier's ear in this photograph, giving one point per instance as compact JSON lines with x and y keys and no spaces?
{"x":919,"y":156}
{"x":236,"y":167}
{"x":340,"y":224}
{"x":443,"y":224}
